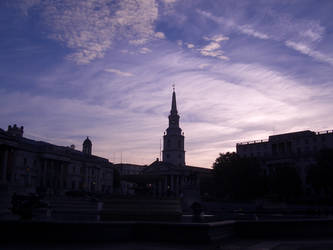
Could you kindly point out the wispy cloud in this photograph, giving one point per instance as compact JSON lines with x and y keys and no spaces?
{"x":246,"y":29}
{"x":144,"y":50}
{"x":160,"y":35}
{"x":213,"y":48}
{"x":118,"y":72}
{"x":90,"y":27}
{"x":190,"y":45}
{"x":302,"y":48}
{"x":217,"y":38}
{"x":25,"y":5}
{"x":298,"y":34}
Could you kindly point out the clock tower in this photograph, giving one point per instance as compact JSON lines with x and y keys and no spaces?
{"x":173,"y":139}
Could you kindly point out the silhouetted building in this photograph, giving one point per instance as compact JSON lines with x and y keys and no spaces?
{"x":28,"y":166}
{"x":171,"y":177}
{"x":173,"y":139}
{"x":125,"y":170}
{"x":297,"y":149}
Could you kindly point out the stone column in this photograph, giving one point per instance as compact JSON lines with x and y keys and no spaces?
{"x":165,"y":185}
{"x":177,"y":185}
{"x":4,"y":164}
{"x":45,"y":162}
{"x":172,"y":186}
{"x":61,"y":186}
{"x":159,"y":188}
{"x":86,"y":179}
{"x":182,"y":181}
{"x":153,"y":186}
{"x":52,"y":174}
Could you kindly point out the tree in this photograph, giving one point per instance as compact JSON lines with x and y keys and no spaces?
{"x":238,"y":177}
{"x":286,"y":182}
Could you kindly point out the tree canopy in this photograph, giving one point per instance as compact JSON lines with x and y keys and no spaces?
{"x":237,"y":177}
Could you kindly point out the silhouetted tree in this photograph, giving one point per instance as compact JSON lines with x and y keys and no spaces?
{"x":238,"y":178}
{"x":286,"y":183}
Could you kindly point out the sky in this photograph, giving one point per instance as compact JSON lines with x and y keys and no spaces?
{"x":243,"y":70}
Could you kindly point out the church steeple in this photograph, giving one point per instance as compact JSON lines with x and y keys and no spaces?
{"x":174,"y":117}
{"x":173,"y":140}
{"x":174,"y":104}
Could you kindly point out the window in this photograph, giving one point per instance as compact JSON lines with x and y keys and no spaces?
{"x":281,"y":148}
{"x":289,"y":147}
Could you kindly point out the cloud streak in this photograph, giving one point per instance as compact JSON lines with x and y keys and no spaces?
{"x":304,"y":49}
{"x":89,"y":28}
{"x":118,"y":72}
{"x":296,"y":34}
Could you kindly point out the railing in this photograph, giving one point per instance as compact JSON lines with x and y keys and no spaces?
{"x":266,"y":140}
{"x":252,"y":142}
{"x":324,"y":132}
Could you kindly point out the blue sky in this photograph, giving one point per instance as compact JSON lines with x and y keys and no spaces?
{"x":243,"y":70}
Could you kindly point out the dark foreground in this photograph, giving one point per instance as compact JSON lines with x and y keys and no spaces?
{"x":302,"y":234}
{"x":235,"y":244}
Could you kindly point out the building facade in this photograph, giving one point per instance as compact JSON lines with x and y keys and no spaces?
{"x":125,"y":170}
{"x":296,"y":144}
{"x":29,"y":166}
{"x":297,"y":149}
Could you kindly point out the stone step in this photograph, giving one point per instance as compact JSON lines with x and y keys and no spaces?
{"x":141,"y":209}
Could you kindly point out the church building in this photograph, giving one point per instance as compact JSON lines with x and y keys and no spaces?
{"x":173,"y":139}
{"x":171,"y":177}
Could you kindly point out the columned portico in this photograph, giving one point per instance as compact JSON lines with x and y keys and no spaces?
{"x":4,"y":166}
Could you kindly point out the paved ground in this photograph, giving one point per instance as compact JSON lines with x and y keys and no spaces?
{"x":324,"y":244}
{"x":253,"y":244}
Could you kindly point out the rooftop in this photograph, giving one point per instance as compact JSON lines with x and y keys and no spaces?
{"x":279,"y":137}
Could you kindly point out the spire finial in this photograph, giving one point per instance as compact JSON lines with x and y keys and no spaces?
{"x":173,"y":87}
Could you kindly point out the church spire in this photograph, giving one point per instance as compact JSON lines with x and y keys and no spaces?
{"x":173,"y":139}
{"x":174,"y":104}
